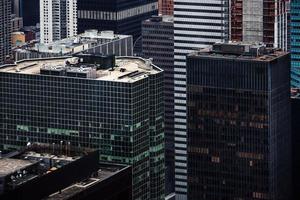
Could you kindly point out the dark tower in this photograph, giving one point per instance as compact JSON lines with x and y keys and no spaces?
{"x":238,"y":123}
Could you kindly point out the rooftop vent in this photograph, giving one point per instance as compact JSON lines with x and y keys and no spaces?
{"x":102,"y":62}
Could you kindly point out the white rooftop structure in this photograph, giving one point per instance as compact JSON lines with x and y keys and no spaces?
{"x":75,"y":44}
{"x":126,"y":69}
{"x":91,"y":41}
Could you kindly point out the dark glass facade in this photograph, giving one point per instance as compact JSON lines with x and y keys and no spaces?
{"x":158,"y":44}
{"x":121,"y":16}
{"x":238,"y":126}
{"x":124,"y":120}
{"x":295,"y":38}
{"x":296,"y":144}
{"x":30,"y":12}
{"x":5,"y":29}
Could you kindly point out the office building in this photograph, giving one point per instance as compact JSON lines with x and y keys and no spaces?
{"x":16,"y":23}
{"x":295,"y":105}
{"x":295,"y":47}
{"x":158,"y":44}
{"x":5,"y":29}
{"x":31,"y":33}
{"x":61,"y":172}
{"x":197,"y":24}
{"x":106,"y":103}
{"x":58,"y":20}
{"x":282,"y":25}
{"x":91,"y":41}
{"x":15,"y":7}
{"x":29,"y":10}
{"x":253,"y":21}
{"x":123,"y":17}
{"x":166,"y":7}
{"x":239,"y":139}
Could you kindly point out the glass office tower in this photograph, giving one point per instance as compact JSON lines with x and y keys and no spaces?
{"x":158,"y":40}
{"x":114,"y":105}
{"x":121,"y":16}
{"x":5,"y":29}
{"x":238,"y":105}
{"x":295,"y":44}
{"x":197,"y":24}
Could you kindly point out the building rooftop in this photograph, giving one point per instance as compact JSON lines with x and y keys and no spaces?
{"x":38,"y":160}
{"x":161,"y":18}
{"x":241,"y":51}
{"x":31,"y":170}
{"x":100,"y":175}
{"x":10,"y":165}
{"x":122,"y":69}
{"x":88,"y":39}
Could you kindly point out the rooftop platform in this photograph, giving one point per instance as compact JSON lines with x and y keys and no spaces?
{"x":88,"y":39}
{"x":240,"y":51}
{"x":102,"y":174}
{"x":10,"y":165}
{"x":124,"y":69}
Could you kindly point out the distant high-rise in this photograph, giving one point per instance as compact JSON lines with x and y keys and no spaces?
{"x":197,"y":24}
{"x":114,"y":105}
{"x":282,"y":25}
{"x":121,"y":16}
{"x":30,"y":16}
{"x":5,"y":29}
{"x":91,"y":41}
{"x":239,"y":139}
{"x":16,"y":23}
{"x":24,"y":9}
{"x":295,"y":45}
{"x":158,"y":44}
{"x":264,"y":21}
{"x":58,"y":20}
{"x":166,"y":7}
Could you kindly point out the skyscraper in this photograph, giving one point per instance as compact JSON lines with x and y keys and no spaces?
{"x":158,"y":44}
{"x":166,"y":7}
{"x":24,"y":9}
{"x":282,"y":25}
{"x":253,"y":21}
{"x":197,"y":24}
{"x":121,"y":16}
{"x":58,"y":19}
{"x":30,"y":16}
{"x":295,"y":45}
{"x":5,"y":29}
{"x":295,"y":107}
{"x":114,"y":105}
{"x":239,"y":137}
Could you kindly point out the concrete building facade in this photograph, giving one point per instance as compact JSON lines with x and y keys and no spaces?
{"x":283,"y":25}
{"x":58,"y":20}
{"x":253,"y":21}
{"x":166,"y":7}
